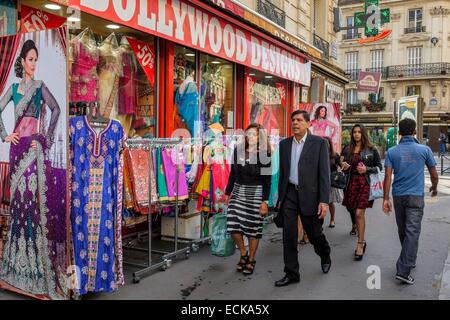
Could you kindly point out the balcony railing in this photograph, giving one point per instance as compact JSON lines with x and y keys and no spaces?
{"x":322,"y":45}
{"x":352,"y":74}
{"x":351,"y":36}
{"x":272,"y":12}
{"x":383,"y":70}
{"x":405,"y":71}
{"x":415,"y":29}
{"x":425,"y":69}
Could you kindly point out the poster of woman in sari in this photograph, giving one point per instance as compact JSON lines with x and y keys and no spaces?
{"x":325,"y":121}
{"x":33,"y":144}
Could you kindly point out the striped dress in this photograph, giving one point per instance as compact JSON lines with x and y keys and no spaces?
{"x":249,"y":186}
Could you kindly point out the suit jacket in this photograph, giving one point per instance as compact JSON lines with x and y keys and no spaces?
{"x":313,"y":175}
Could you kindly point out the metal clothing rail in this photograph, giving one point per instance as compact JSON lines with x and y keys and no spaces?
{"x":149,"y":144}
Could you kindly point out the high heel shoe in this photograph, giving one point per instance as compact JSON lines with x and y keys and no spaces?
{"x":242,"y":263}
{"x":360,"y":257}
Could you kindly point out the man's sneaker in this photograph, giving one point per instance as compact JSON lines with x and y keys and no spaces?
{"x":408,"y":279}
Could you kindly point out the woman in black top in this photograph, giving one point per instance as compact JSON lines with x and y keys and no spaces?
{"x":249,"y":187}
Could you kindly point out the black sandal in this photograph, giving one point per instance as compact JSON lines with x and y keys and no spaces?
{"x":360,"y":257}
{"x":249,"y":271}
{"x":241,"y":265}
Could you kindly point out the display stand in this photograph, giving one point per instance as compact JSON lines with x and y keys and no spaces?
{"x":166,"y":257}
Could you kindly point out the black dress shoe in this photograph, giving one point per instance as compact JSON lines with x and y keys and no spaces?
{"x":326,"y":264}
{"x":286,"y":281}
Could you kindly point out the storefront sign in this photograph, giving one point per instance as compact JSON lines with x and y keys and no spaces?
{"x":276,"y":31}
{"x":234,"y":8}
{"x":38,"y":20}
{"x":186,"y":24}
{"x":145,"y":54}
{"x":369,"y":81}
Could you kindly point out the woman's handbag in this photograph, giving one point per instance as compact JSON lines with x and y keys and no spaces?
{"x":338,"y":179}
{"x":222,"y":244}
{"x":376,"y":185}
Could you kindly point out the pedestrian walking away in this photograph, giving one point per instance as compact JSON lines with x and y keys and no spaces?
{"x":361,"y":160}
{"x":304,"y":189}
{"x":407,"y":162}
{"x":249,"y":187}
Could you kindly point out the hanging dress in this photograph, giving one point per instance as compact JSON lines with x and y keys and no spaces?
{"x":84,"y":78}
{"x":172,"y":159}
{"x":128,"y":100}
{"x":161,"y":179}
{"x":96,"y":204}
{"x":186,"y":99}
{"x":110,"y":67}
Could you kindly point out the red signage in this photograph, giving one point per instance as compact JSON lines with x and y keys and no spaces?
{"x":38,"y":20}
{"x":184,"y":23}
{"x":230,"y":6}
{"x":145,"y":54}
{"x":369,"y":81}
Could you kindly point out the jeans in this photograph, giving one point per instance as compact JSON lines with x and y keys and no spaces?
{"x":442,"y":148}
{"x":408,"y":214}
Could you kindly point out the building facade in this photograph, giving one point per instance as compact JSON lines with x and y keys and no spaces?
{"x":307,"y":22}
{"x":413,"y":60}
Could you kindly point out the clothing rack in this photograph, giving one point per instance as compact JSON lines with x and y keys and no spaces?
{"x":148,"y":144}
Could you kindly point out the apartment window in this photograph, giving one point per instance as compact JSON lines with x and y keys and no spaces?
{"x":351,"y":32}
{"x":414,"y":61}
{"x":415,"y":19}
{"x":352,"y":60}
{"x":352,"y":96}
{"x":414,"y":56}
{"x":352,"y":65}
{"x":413,"y":90}
{"x":377,"y":59}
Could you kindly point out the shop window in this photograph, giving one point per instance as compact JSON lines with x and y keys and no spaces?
{"x":266,"y":101}
{"x":186,"y":90}
{"x":216,"y":91}
{"x":107,"y":77}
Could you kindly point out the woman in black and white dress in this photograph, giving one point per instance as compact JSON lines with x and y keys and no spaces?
{"x":249,"y":187}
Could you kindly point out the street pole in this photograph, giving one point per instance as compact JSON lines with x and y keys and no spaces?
{"x":420,"y":108}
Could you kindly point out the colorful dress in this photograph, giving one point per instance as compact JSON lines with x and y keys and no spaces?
{"x":128,"y":82}
{"x":139,"y":169}
{"x":358,"y":191}
{"x":84,"y":79}
{"x":187,"y":103}
{"x":96,"y":204}
{"x":34,"y":257}
{"x":110,"y":67}
{"x":172,"y":158}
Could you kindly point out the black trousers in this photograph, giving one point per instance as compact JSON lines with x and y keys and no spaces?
{"x":312,"y":226}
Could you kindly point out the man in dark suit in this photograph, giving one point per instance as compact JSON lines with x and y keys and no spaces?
{"x":304,"y":189}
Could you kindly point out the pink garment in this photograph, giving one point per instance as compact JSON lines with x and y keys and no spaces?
{"x":27,"y":127}
{"x":172,"y":158}
{"x":128,"y":84}
{"x":84,"y":73}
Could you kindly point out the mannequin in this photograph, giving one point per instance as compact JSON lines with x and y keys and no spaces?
{"x":110,"y":71}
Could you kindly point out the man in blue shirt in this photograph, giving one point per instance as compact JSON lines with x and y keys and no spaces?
{"x":407,"y":162}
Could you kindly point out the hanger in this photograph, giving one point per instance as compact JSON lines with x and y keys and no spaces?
{"x":95,"y":118}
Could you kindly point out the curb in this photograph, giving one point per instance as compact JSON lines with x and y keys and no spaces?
{"x":444,"y":293}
